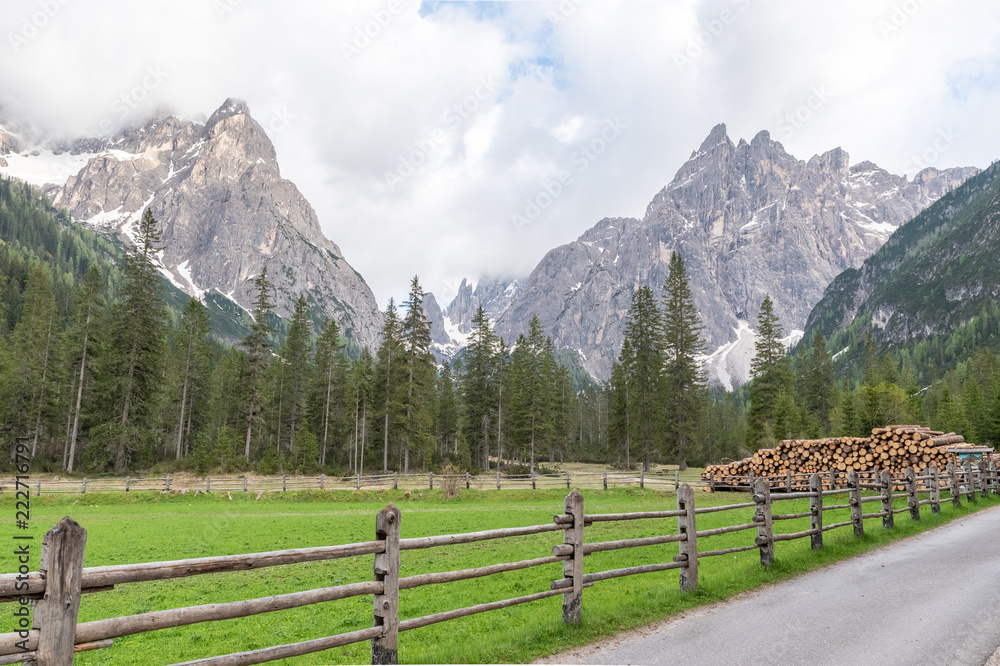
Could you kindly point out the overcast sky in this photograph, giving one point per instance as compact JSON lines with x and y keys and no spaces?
{"x":462,"y":139}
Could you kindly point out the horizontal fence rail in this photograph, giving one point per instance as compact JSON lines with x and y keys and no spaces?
{"x":257,"y":484}
{"x":54,"y":635}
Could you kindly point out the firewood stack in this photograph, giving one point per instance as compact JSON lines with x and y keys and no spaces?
{"x":894,"y":448}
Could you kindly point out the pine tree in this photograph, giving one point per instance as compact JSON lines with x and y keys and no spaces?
{"x":816,"y":382}
{"x":134,"y":366}
{"x":446,"y":423}
{"x":362,"y":378}
{"x":82,"y":339}
{"x":769,"y":371}
{"x":502,"y":366}
{"x":258,"y":356}
{"x":684,"y":382}
{"x":192,"y":366}
{"x":480,"y":387}
{"x":417,"y":431}
{"x":295,"y":355}
{"x":642,"y":360}
{"x":328,"y":386}
{"x":33,"y":347}
{"x":619,"y":423}
{"x":388,"y":370}
{"x":533,"y":393}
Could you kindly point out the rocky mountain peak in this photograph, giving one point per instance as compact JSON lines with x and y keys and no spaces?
{"x":750,"y":220}
{"x":836,"y":163}
{"x":716,"y":137}
{"x":224,"y":210}
{"x":231,"y":107}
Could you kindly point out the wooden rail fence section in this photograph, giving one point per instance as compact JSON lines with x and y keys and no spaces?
{"x":247,"y":484}
{"x":61,"y":580}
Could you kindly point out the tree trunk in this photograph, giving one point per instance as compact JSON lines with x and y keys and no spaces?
{"x":385,"y":445}
{"x":41,"y":389}
{"x":79,"y":402}
{"x":180,"y":424}
{"x":120,"y":452}
{"x":326,"y":413}
{"x":364,"y":424}
{"x":187,"y":428}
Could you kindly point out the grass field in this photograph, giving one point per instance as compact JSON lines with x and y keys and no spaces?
{"x":153,"y":526}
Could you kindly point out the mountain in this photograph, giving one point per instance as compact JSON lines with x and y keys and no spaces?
{"x":494,"y":295}
{"x":934,"y":275}
{"x":749,"y":220}
{"x":451,"y":327}
{"x":224,"y":209}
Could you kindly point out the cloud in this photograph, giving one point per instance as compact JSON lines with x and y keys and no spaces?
{"x":483,"y":110}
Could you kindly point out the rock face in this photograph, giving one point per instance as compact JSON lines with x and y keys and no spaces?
{"x":494,"y":295}
{"x":935,"y":274}
{"x":450,"y":328}
{"x":224,"y":209}
{"x":749,"y":220}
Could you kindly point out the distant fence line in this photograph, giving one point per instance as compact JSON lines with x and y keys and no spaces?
{"x":55,"y":632}
{"x":429,"y":481}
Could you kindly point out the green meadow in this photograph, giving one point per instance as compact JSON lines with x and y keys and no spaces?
{"x":142,"y":527}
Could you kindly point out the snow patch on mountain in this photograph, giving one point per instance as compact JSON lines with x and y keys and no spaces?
{"x":44,"y":167}
{"x":729,"y":365}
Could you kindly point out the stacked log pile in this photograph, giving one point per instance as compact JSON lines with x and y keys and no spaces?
{"x":893,"y":448}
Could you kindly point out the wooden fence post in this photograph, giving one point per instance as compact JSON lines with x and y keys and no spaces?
{"x":605,"y":480}
{"x":498,"y":476}
{"x":385,"y":647}
{"x":970,"y":481}
{"x":688,"y":548}
{"x":284,"y":482}
{"x":166,"y":482}
{"x":357,"y":481}
{"x":38,"y":488}
{"x":889,"y":518}
{"x":956,"y":499}
{"x":567,"y":480}
{"x":127,"y":481}
{"x":642,"y":477}
{"x":395,"y":480}
{"x":208,"y":484}
{"x":912,"y":499}
{"x":711,"y":482}
{"x":430,"y":481}
{"x":935,"y":485}
{"x":532,"y":480}
{"x":788,"y":480}
{"x":244,"y":483}
{"x":762,"y":516}
{"x":984,"y":490}
{"x":468,"y":480}
{"x":816,"y":509}
{"x":993,"y":478}
{"x":83,"y":486}
{"x":573,"y":567}
{"x":833,"y":479}
{"x":677,"y":480}
{"x":56,"y":613}
{"x":857,"y":508}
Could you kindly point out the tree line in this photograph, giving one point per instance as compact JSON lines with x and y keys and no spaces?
{"x":114,"y":383}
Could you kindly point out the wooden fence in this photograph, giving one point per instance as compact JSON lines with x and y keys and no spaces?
{"x":584,"y":480}
{"x":55,"y":634}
